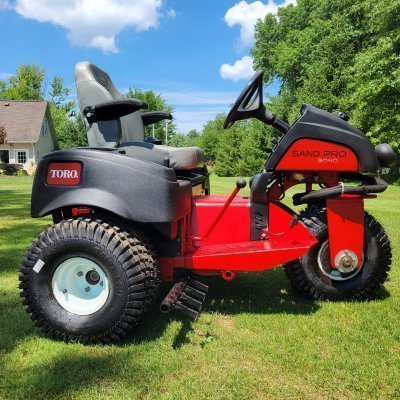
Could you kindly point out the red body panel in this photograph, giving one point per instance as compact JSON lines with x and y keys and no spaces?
{"x":233,"y":226}
{"x":346,"y":226}
{"x":318,"y":155}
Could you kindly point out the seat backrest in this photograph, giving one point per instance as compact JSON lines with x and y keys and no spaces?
{"x":94,"y":86}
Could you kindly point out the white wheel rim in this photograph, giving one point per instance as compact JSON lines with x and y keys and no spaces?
{"x":325,"y":267}
{"x":75,"y":291}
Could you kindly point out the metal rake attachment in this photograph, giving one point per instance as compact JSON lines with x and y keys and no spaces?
{"x":187,"y":296}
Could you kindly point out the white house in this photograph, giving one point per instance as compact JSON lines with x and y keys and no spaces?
{"x":30,"y":132}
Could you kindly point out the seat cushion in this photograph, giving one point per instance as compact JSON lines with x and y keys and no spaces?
{"x":181,"y":158}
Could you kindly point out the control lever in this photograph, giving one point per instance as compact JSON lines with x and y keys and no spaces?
{"x":240,"y":184}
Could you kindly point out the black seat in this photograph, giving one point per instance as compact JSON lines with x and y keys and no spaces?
{"x":94,"y":86}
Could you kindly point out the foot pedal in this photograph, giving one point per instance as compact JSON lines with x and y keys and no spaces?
{"x":187,"y":296}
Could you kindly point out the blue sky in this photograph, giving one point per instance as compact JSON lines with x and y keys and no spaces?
{"x":194,"y":52}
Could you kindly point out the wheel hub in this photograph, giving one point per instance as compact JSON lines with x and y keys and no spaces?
{"x":80,"y":286}
{"x":346,"y":262}
{"x":92,"y":277}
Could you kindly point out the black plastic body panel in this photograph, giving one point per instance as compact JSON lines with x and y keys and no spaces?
{"x":319,"y":124}
{"x":131,"y":188}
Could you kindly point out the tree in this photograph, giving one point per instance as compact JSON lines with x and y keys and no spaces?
{"x":254,"y":148}
{"x":210,"y":138}
{"x":193,"y":138}
{"x":59,"y":94}
{"x":26,"y":84}
{"x":155,"y":102}
{"x":68,"y":122}
{"x":178,"y":140}
{"x":337,"y":55}
{"x":228,"y":151}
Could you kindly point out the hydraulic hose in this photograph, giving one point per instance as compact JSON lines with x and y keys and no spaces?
{"x":373,"y":185}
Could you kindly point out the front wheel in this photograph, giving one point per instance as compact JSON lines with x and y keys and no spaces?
{"x":88,"y":281}
{"x":313,"y":276}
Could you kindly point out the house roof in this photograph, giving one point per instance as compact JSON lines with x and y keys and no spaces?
{"x":23,"y":120}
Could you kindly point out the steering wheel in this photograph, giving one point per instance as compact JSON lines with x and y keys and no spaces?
{"x":250,"y":104}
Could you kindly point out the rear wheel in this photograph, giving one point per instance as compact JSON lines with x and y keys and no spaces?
{"x":88,"y":281}
{"x":313,"y":276}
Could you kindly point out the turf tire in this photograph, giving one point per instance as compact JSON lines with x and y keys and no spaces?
{"x":130,"y":267}
{"x":306,"y":277}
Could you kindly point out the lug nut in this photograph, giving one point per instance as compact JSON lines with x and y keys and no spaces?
{"x":80,"y":273}
{"x":64,"y":291}
{"x":87,"y":289}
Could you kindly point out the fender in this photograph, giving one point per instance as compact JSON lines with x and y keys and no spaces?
{"x":134,"y":189}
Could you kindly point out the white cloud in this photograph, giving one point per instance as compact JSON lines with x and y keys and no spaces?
{"x":5,"y":5}
{"x":171,"y":13}
{"x":246,"y":15}
{"x":241,"y":69}
{"x":93,"y":23}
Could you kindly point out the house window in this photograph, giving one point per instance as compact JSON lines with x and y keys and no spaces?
{"x":4,"y":156}
{"x":45,"y":128}
{"x":21,"y":157}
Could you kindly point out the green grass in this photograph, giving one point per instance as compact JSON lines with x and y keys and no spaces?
{"x":256,"y":339}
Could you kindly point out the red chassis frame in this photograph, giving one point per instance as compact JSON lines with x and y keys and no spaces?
{"x":216,"y":235}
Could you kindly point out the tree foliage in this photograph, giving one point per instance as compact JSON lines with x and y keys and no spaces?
{"x":26,"y":84}
{"x":228,"y":151}
{"x":337,"y":55}
{"x":254,"y":148}
{"x":68,"y":122}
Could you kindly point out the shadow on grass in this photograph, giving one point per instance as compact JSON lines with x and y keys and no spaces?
{"x":8,"y":200}
{"x":15,"y":325}
{"x":68,"y":372}
{"x":258,"y":293}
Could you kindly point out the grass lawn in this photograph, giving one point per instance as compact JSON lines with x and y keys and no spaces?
{"x":256,"y":339}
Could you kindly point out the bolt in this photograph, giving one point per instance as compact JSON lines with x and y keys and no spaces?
{"x":64,"y":291}
{"x":347,"y":262}
{"x":80,"y":273}
{"x":87,"y":289}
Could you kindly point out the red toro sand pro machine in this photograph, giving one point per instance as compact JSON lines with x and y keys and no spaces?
{"x":129,"y":212}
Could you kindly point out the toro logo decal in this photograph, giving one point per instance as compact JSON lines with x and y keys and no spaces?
{"x":67,"y":173}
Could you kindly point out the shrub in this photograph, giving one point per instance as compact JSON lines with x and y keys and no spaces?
{"x":8,"y":169}
{"x":20,"y":172}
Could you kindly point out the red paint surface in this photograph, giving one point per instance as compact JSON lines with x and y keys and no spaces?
{"x":228,"y":247}
{"x":66,"y":173}
{"x":345,"y":226}
{"x":318,"y":155}
{"x":256,"y":255}
{"x":232,"y":227}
